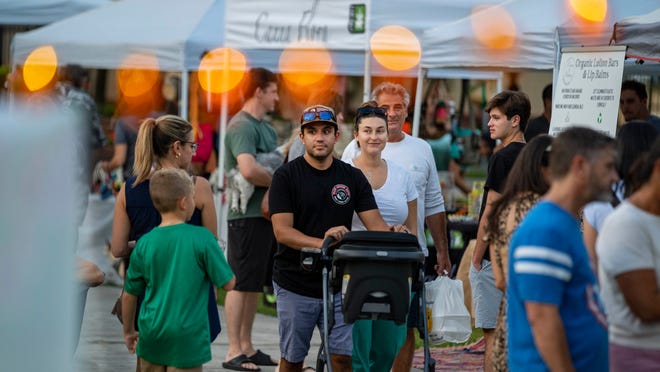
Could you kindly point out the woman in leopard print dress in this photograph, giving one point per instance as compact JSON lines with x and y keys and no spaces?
{"x":527,"y":182}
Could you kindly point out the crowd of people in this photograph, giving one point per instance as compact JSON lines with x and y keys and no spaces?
{"x":564,"y":275}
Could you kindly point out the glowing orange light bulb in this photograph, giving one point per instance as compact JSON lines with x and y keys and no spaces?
{"x":221,"y":70}
{"x":396,"y":48}
{"x":40,"y":67}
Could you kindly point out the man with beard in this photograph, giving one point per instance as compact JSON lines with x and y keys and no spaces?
{"x":311,"y":198}
{"x":634,"y":103}
{"x":555,"y":318}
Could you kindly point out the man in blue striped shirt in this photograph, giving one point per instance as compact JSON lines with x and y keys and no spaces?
{"x":555,"y":318}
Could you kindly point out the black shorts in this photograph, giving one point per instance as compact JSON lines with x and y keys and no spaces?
{"x":250,"y":249}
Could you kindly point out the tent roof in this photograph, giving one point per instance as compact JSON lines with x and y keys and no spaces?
{"x":41,"y":12}
{"x":455,"y":44}
{"x":640,"y":34}
{"x":536,"y":23}
{"x":104,"y":37}
{"x":177,"y":32}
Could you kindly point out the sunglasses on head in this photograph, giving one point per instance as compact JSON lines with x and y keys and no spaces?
{"x":371,"y":111}
{"x":317,"y":114}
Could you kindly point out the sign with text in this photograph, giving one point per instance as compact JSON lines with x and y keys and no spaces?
{"x":267,"y":24}
{"x":587,"y":89}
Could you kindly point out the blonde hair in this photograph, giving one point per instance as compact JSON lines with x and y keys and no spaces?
{"x":168,"y":186}
{"x":154,"y":139}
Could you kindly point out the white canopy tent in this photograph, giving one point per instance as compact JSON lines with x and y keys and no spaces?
{"x":641,"y":35}
{"x":351,"y":55}
{"x":541,"y":29}
{"x":178,"y":32}
{"x":632,"y":24}
{"x":104,"y":37}
{"x":41,"y":12}
{"x":456,"y":44}
{"x":176,"y":37}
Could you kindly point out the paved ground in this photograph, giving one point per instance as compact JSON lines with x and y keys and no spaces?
{"x":102,"y":349}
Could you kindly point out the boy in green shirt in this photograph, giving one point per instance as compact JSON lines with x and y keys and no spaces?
{"x":172,"y":265}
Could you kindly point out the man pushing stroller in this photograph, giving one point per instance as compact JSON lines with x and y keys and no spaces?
{"x":312,"y":198}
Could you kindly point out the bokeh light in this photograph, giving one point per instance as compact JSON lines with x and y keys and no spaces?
{"x":40,"y":68}
{"x":396,"y":48}
{"x":493,"y":27}
{"x":221,"y":70}
{"x":304,"y":63}
{"x":138,"y":74}
{"x":590,"y":10}
{"x":139,"y":83}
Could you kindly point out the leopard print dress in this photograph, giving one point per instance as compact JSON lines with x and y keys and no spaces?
{"x":507,"y":222}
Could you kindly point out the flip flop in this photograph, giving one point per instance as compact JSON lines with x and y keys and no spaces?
{"x":236,"y":364}
{"x":262,"y":359}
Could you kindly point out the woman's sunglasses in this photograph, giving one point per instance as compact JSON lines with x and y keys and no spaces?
{"x":370,"y":111}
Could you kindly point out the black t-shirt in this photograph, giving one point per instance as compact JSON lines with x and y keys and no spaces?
{"x":498,"y":169}
{"x":319,"y":200}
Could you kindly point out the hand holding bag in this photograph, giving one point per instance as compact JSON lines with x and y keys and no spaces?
{"x":448,"y":318}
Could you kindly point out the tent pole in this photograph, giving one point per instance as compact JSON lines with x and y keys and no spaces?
{"x":11,"y":88}
{"x":418,"y":101}
{"x":557,"y":61}
{"x":184,"y":94}
{"x":222,"y":220}
{"x":367,"y":55}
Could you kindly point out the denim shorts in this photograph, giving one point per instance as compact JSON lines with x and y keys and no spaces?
{"x":486,"y":297}
{"x":298,"y":316}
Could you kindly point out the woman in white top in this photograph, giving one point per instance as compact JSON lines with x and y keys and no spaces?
{"x":377,"y":342}
{"x":634,"y":138}
{"x":629,"y":250}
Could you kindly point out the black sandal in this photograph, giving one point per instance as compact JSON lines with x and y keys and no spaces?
{"x":236,"y":364}
{"x":262,"y":359}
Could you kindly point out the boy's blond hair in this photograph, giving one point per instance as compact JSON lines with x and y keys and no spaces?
{"x":168,"y":186}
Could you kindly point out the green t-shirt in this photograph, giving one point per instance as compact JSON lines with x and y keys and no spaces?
{"x":441,"y":148}
{"x":173,"y":267}
{"x":245,"y":134}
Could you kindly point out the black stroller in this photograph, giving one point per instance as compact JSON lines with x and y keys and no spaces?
{"x":376,"y":272}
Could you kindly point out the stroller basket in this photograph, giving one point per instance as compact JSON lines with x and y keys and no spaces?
{"x":376,"y":271}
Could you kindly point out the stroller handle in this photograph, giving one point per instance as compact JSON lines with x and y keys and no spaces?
{"x":313,"y":259}
{"x":326,"y":243}
{"x":326,"y":257}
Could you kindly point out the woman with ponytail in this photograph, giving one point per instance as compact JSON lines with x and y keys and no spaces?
{"x":162,"y":143}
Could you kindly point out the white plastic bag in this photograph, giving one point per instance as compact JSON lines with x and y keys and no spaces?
{"x":447,"y":318}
